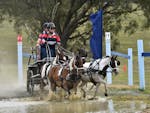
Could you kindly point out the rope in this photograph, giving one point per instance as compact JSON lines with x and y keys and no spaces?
{"x":66,"y":52}
{"x":48,"y":52}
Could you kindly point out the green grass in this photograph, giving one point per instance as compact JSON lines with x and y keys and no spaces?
{"x":8,"y":53}
{"x":126,"y":42}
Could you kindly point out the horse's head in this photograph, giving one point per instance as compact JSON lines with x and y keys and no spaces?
{"x":103,"y":64}
{"x":79,"y":61}
{"x":114,"y":63}
{"x":83,"y":54}
{"x":61,"y":56}
{"x":75,"y":62}
{"x":75,"y":67}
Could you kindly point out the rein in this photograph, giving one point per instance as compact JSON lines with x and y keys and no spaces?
{"x":97,"y":63}
{"x":104,"y":70}
{"x":111,"y":68}
{"x":66,"y":52}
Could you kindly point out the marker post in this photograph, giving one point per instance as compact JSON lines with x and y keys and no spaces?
{"x":20,"y":61}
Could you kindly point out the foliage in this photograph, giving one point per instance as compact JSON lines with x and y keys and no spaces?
{"x":72,"y":17}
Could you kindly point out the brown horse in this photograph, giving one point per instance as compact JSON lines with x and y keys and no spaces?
{"x":60,"y":58}
{"x":66,"y":77}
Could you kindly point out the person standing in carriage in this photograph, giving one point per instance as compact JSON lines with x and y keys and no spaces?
{"x":53,"y":39}
{"x":47,"y":41}
{"x":41,"y":42}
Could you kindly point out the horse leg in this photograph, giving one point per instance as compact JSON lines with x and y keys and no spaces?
{"x":42,"y":84}
{"x":97,"y":86}
{"x":106,"y":94}
{"x":81,"y":86}
{"x":49,"y":84}
{"x":53,"y":87}
{"x":75,"y":90}
{"x":64,"y":85}
{"x":68,"y":92}
{"x":91,"y":87}
{"x":75,"y":87}
{"x":105,"y":85}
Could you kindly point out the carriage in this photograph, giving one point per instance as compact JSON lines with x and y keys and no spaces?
{"x":33,"y":76}
{"x":34,"y":67}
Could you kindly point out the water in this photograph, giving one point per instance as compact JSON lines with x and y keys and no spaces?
{"x":101,"y":105}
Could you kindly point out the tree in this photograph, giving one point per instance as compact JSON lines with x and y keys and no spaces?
{"x":72,"y":16}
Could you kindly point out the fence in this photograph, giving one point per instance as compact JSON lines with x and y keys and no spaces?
{"x":127,"y":56}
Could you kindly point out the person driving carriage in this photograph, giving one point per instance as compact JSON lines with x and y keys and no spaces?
{"x":47,"y":41}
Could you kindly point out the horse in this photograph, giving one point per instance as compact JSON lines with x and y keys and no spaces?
{"x":96,"y":72}
{"x":66,"y":76}
{"x":60,"y":58}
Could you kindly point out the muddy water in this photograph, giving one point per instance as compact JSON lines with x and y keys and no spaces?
{"x":17,"y":100}
{"x":101,"y":105}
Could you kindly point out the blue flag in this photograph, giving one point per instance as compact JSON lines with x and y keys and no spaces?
{"x":96,"y":39}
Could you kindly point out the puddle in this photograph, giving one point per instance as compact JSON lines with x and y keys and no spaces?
{"x":80,"y":106}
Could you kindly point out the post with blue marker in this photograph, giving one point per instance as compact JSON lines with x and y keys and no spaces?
{"x":130,"y":67}
{"x":108,"y":53}
{"x":20,"y":61}
{"x":141,"y":64}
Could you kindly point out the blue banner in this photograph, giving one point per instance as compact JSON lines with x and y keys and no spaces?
{"x":96,"y":39}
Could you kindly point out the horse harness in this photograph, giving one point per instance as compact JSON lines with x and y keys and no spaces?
{"x":99,"y":72}
{"x":70,"y":76}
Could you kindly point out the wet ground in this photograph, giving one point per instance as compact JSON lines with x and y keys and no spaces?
{"x":19,"y":101}
{"x":92,"y":106}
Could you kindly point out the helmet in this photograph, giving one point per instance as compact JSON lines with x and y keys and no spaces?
{"x":45,"y":25}
{"x":51,"y":25}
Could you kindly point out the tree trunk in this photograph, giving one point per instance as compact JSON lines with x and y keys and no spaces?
{"x":64,"y":39}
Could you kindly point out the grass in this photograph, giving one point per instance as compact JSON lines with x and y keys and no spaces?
{"x":131,"y":42}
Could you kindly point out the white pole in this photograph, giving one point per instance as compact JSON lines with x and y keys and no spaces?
{"x":108,"y":53}
{"x":110,"y":106}
{"x":130,"y":67}
{"x":141,"y":64}
{"x":20,"y":61}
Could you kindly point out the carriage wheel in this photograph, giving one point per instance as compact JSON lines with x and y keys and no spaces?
{"x":30,"y":84}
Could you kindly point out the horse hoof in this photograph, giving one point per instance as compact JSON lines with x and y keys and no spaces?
{"x":84,"y":96}
{"x":91,"y":98}
{"x":106,"y":94}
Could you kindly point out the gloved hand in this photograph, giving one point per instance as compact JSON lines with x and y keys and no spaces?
{"x":43,"y":41}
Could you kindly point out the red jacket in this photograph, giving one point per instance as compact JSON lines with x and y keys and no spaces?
{"x":54,"y":36}
{"x":44,"y":37}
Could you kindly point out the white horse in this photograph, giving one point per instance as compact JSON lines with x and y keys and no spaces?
{"x":96,"y":72}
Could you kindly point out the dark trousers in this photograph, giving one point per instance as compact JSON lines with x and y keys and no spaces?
{"x":47,"y":52}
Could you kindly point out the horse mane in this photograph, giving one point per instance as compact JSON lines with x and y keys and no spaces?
{"x":71,"y":63}
{"x":55,"y":60}
{"x":82,"y":52}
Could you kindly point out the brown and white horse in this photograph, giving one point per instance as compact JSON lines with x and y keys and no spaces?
{"x":66,"y":76}
{"x":60,"y":58}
